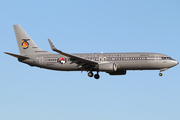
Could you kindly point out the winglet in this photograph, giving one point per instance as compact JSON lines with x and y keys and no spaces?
{"x":52,"y":45}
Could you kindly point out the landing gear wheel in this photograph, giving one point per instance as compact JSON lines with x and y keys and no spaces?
{"x":96,"y":76}
{"x":90,"y":74}
{"x":160,"y":74}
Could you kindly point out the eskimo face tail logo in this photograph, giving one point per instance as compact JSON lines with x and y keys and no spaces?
{"x":61,"y":60}
{"x":24,"y":43}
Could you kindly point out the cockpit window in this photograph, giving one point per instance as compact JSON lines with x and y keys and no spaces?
{"x":171,"y":58}
{"x":166,"y":58}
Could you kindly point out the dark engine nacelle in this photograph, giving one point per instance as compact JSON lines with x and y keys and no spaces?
{"x":107,"y":67}
{"x":122,"y":72}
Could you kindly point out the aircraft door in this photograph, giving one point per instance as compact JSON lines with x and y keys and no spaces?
{"x":104,"y":58}
{"x":156,"y":59}
{"x":101,"y":59}
{"x":40,"y":60}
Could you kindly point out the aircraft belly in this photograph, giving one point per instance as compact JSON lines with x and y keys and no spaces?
{"x":122,"y":65}
{"x":63,"y":67}
{"x":135,"y":65}
{"x":139,"y":65}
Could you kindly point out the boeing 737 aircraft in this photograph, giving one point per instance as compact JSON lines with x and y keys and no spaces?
{"x":111,"y":63}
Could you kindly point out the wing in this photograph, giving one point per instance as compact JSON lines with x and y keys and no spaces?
{"x":75,"y":59}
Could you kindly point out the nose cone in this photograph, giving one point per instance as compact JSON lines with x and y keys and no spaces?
{"x":177,"y":62}
{"x":173,"y":63}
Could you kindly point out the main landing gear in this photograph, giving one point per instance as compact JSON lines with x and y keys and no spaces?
{"x":90,"y":74}
{"x":96,"y":76}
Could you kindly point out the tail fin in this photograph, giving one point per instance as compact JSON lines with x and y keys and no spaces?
{"x":25,"y":43}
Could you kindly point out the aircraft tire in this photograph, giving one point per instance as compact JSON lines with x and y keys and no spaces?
{"x":90,"y":74}
{"x":160,"y":74}
{"x":96,"y":76}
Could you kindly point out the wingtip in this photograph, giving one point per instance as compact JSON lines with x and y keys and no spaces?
{"x":49,"y":40}
{"x":16,"y":25}
{"x":52,"y":45}
{"x":5,"y":52}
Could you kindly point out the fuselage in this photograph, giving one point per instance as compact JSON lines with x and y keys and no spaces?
{"x":124,"y":61}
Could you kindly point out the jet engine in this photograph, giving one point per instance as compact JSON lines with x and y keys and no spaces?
{"x":108,"y":67}
{"x":122,"y":72}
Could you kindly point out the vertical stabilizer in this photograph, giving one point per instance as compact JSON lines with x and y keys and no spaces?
{"x":25,"y":43}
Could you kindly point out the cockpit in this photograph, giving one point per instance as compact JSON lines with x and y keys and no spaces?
{"x":167,"y":58}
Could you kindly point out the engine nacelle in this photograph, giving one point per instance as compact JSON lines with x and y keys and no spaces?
{"x":122,"y":72}
{"x":107,"y":67}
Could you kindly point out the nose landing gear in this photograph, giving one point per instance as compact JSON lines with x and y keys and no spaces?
{"x":164,"y":69}
{"x":160,"y":74}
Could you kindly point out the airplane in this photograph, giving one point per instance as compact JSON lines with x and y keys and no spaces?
{"x":111,"y":63}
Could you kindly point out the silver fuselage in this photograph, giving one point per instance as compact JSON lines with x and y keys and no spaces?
{"x":124,"y":61}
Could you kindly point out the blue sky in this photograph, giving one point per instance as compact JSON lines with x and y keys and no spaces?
{"x":82,"y":26}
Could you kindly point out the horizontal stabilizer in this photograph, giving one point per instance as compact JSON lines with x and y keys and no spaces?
{"x":17,"y":56}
